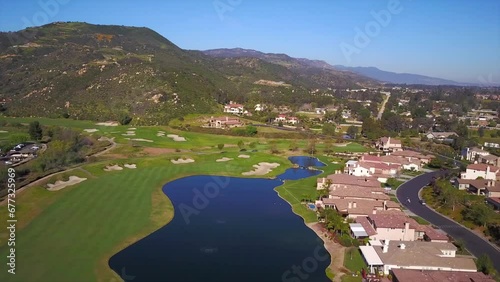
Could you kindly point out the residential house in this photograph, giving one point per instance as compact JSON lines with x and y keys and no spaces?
{"x":388,"y":144}
{"x":471,"y":154}
{"x":398,"y":226}
{"x":494,"y":201}
{"x":441,"y":136}
{"x":410,"y":155}
{"x":360,"y":207}
{"x":339,"y":179}
{"x":491,"y":145}
{"x":489,"y":188}
{"x":484,"y":171}
{"x":280,"y":117}
{"x":412,"y":275}
{"x":233,"y":108}
{"x":259,"y":107}
{"x":416,"y":255}
{"x":224,"y":122}
{"x":489,"y":159}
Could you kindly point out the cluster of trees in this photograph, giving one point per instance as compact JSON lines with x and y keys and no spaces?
{"x":472,"y":208}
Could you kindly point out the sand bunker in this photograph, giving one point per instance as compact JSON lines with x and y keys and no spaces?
{"x":342,"y":144}
{"x":244,"y":156}
{"x":224,"y":159}
{"x":142,"y":140}
{"x":3,"y":131}
{"x":160,"y":134}
{"x":131,"y":166}
{"x":129,"y":133}
{"x":58,"y":185}
{"x":176,"y":138}
{"x":182,"y":161}
{"x":108,"y":123}
{"x":262,"y":168}
{"x":132,"y":128}
{"x":113,"y":167}
{"x":90,"y":130}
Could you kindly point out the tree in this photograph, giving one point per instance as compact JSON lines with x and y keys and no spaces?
{"x":352,"y":131}
{"x":481,"y":132}
{"x":241,"y":145}
{"x":328,"y":146}
{"x":293,"y":145}
{"x":220,"y":146}
{"x":280,"y":123}
{"x":484,"y":264}
{"x":252,"y":145}
{"x":478,"y":213}
{"x":251,"y":130}
{"x":274,"y":147}
{"x":328,"y":129}
{"x":35,"y":130}
{"x":125,"y":119}
{"x":311,"y":147}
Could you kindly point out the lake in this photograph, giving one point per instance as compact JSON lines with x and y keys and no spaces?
{"x":228,"y":229}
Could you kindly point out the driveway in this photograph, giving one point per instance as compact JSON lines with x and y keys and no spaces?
{"x":474,"y":243}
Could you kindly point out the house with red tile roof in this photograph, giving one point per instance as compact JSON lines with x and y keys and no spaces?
{"x":413,"y":275}
{"x":388,"y":144}
{"x":485,"y":171}
{"x":340,"y":179}
{"x":224,"y":122}
{"x":235,"y":109}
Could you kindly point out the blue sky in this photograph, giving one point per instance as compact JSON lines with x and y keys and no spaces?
{"x":452,"y":39}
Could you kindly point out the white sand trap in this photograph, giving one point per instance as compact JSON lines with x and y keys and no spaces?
{"x":342,"y":144}
{"x":90,"y":130}
{"x":262,"y":168}
{"x":131,"y":166}
{"x":176,"y":137}
{"x":160,"y":134}
{"x":182,"y":161}
{"x":58,"y":185}
{"x":113,"y":167}
{"x":142,"y":140}
{"x":129,"y":133}
{"x":3,"y":131}
{"x":108,"y":123}
{"x":224,"y":159}
{"x":244,"y":156}
{"x":132,"y":128}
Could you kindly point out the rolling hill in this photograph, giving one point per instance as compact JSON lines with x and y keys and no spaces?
{"x":108,"y":72}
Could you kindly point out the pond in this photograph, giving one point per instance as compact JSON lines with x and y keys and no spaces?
{"x":228,"y":229}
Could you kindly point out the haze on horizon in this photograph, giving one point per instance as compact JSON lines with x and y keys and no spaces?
{"x":456,"y":40}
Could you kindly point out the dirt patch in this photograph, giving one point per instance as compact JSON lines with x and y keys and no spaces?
{"x":224,"y":159}
{"x":182,"y":161}
{"x":176,"y":137}
{"x":262,"y":168}
{"x":91,"y":130}
{"x":131,"y":166}
{"x":244,"y":156}
{"x":58,"y":185}
{"x":113,"y":168}
{"x":108,"y":123}
{"x":336,"y":251}
{"x":157,"y":151}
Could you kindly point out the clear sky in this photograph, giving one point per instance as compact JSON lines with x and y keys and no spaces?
{"x":452,"y":39}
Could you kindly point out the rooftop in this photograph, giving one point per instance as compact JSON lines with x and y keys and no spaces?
{"x":424,"y":254}
{"x":482,"y":167}
{"x":352,"y":180}
{"x":411,"y":275}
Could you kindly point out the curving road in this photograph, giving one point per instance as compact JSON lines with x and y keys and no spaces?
{"x":473,"y":242}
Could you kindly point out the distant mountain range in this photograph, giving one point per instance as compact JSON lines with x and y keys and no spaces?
{"x":398,"y":78}
{"x":370,"y":72}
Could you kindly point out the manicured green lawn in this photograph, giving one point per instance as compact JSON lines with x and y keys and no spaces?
{"x":294,"y":191}
{"x":353,"y":261}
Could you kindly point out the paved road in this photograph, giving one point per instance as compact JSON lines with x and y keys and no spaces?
{"x":473,"y":242}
